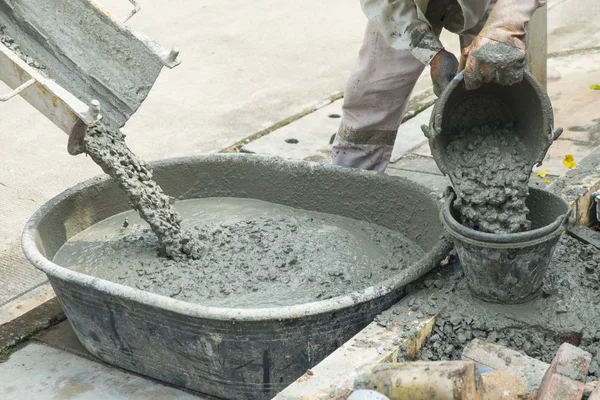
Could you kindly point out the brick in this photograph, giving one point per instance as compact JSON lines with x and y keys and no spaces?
{"x":502,"y":385}
{"x":530,"y":370}
{"x":565,"y":378}
{"x":571,"y":362}
{"x":558,"y":387}
{"x":419,"y":380}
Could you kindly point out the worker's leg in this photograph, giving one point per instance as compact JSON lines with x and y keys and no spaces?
{"x":374,"y":103}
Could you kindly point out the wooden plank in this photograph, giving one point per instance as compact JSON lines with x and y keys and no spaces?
{"x":55,"y":103}
{"x":537,"y":45}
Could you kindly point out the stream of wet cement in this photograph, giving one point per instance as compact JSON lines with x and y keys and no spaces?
{"x":490,"y":176}
{"x":108,"y":149}
{"x":261,"y":254}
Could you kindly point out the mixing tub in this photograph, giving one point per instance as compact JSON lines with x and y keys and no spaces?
{"x":225,"y":352}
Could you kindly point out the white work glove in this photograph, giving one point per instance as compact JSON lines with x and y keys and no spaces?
{"x":498,"y":53}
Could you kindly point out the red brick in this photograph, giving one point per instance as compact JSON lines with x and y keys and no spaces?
{"x":571,"y":362}
{"x":565,"y":378}
{"x":558,"y":387}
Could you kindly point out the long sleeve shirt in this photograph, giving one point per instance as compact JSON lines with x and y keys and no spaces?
{"x":404,"y":26}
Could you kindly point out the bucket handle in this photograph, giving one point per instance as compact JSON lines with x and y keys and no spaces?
{"x":568,"y":219}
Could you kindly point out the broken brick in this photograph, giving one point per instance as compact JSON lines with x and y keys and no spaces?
{"x":502,"y":385}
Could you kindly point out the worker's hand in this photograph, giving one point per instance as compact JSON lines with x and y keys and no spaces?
{"x":498,"y":53}
{"x":444,"y":66}
{"x":487,"y":60}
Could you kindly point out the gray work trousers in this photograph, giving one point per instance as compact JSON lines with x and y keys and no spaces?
{"x":375,"y":100}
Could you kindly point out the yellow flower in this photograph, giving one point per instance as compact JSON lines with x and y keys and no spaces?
{"x":569,"y":162}
{"x":542,"y":173}
{"x":547,"y":181}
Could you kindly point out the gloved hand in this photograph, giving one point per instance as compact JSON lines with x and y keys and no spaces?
{"x":444,"y":66}
{"x":498,"y":53}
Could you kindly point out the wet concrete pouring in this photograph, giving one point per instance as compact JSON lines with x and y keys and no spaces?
{"x":490,"y":199}
{"x":108,"y":149}
{"x":567,"y":309}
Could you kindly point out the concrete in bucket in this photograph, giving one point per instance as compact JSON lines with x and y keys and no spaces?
{"x":501,"y":267}
{"x":230,"y":353}
{"x":525,"y":104}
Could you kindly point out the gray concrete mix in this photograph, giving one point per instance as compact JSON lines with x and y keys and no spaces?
{"x":490,"y":199}
{"x":565,"y":310}
{"x":257,"y":254}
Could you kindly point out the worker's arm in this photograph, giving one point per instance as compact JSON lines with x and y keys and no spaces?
{"x":399,"y":24}
{"x":498,"y":53}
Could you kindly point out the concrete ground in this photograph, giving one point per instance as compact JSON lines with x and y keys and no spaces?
{"x":245,"y":69}
{"x":45,"y":373}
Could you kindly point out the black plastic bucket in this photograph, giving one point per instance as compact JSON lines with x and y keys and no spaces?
{"x":525,"y":104}
{"x":509,"y":268}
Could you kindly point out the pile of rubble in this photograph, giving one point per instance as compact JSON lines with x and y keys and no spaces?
{"x":487,"y":371}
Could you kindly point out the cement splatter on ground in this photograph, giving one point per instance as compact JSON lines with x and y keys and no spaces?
{"x":567,"y":309}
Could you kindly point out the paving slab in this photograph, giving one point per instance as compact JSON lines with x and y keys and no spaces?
{"x":25,"y":302}
{"x":43,"y":373}
{"x":305,"y":138}
{"x":572,"y":24}
{"x":308,"y":137}
{"x":436,"y":183}
{"x":36,"y":320}
{"x":423,"y":150}
{"x":417,"y":163}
